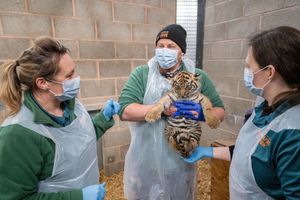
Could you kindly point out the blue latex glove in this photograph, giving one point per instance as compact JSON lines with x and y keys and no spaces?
{"x":199,"y":153}
{"x":94,"y":192}
{"x":184,"y":108}
{"x":111,"y":108}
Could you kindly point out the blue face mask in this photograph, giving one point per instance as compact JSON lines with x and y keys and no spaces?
{"x":71,"y":88}
{"x":165,"y":57}
{"x":248,"y":79}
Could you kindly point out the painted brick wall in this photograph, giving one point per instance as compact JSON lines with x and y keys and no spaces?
{"x":228,"y":24}
{"x":107,"y":39}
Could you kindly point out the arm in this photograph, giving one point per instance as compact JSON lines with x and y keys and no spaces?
{"x":222,"y":153}
{"x":219,"y":112}
{"x":135,"y":112}
{"x":209,"y":90}
{"x":25,"y":159}
{"x":101,"y":125}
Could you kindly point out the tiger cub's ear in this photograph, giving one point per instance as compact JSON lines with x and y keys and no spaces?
{"x":197,"y":77}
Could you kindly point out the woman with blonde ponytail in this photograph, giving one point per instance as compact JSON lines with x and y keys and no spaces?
{"x":48,"y":142}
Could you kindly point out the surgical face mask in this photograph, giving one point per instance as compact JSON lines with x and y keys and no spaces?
{"x":165,"y":57}
{"x":248,"y":79}
{"x":71,"y":88}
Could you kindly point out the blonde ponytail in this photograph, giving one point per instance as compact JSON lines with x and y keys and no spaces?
{"x":10,"y":88}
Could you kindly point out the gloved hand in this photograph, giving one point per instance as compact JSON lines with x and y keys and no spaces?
{"x":111,"y":108}
{"x":199,"y":153}
{"x":94,"y":192}
{"x":184,"y":108}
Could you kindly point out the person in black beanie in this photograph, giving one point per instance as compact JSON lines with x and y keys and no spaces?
{"x":153,"y":170}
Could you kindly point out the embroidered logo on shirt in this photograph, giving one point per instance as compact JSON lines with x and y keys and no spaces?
{"x":265,"y":141}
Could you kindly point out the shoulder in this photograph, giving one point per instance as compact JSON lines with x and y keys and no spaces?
{"x":141,"y":69}
{"x":16,"y":135}
{"x":202,"y":73}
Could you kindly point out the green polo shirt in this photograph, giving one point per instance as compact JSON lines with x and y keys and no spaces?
{"x":27,"y":157}
{"x":276,"y":160}
{"x":134,"y":89}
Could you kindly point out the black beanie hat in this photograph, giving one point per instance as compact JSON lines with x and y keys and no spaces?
{"x":174,"y":32}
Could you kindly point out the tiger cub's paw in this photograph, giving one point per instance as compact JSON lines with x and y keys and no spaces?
{"x":212,"y":121}
{"x":154,"y":113}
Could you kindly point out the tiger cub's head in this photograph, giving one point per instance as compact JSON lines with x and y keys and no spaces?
{"x":185,"y":84}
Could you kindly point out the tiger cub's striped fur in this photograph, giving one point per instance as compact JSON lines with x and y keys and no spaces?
{"x":183,"y":134}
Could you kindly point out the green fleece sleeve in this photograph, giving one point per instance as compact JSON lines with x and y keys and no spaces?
{"x":101,"y":124}
{"x":209,"y":90}
{"x":26,"y":158}
{"x":134,"y":89}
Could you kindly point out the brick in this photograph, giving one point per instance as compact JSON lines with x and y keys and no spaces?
{"x":94,"y":9}
{"x":116,"y":138}
{"x":160,"y":17}
{"x":236,"y":106}
{"x":15,"y":5}
{"x":52,"y":7}
{"x":207,"y":51}
{"x":155,"y":3}
{"x":285,"y":17}
{"x":145,"y":33}
{"x":232,"y":123}
{"x":209,"y":15}
{"x":151,"y":50}
{"x":26,"y":25}
{"x":242,"y":28}
{"x":229,"y":10}
{"x":137,"y":63}
{"x":114,"y":31}
{"x":12,"y":48}
{"x":292,"y":2}
{"x":210,"y":135}
{"x":72,"y":46}
{"x":169,"y":5}
{"x":130,"y":50}
{"x":226,"y":86}
{"x":123,"y":124}
{"x":116,"y":68}
{"x":113,"y":168}
{"x":129,"y":13}
{"x":228,"y":49}
{"x":124,"y":150}
{"x":86,"y":69}
{"x":111,"y":155}
{"x":95,"y":88}
{"x":120,"y":86}
{"x":213,"y":2}
{"x":225,"y":68}
{"x":252,"y":7}
{"x":96,"y":50}
{"x":214,"y":32}
{"x":74,"y":28}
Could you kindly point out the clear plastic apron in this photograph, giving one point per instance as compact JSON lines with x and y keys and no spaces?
{"x":75,"y":162}
{"x":154,"y":171}
{"x":242,"y":181}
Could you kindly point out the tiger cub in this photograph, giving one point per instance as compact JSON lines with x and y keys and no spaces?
{"x":183,"y":134}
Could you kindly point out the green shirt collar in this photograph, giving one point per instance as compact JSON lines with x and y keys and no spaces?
{"x":262,"y":120}
{"x":40,"y":116}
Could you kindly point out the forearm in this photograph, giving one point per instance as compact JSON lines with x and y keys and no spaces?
{"x":219,"y":112}
{"x":221,"y":153}
{"x":135,"y":112}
